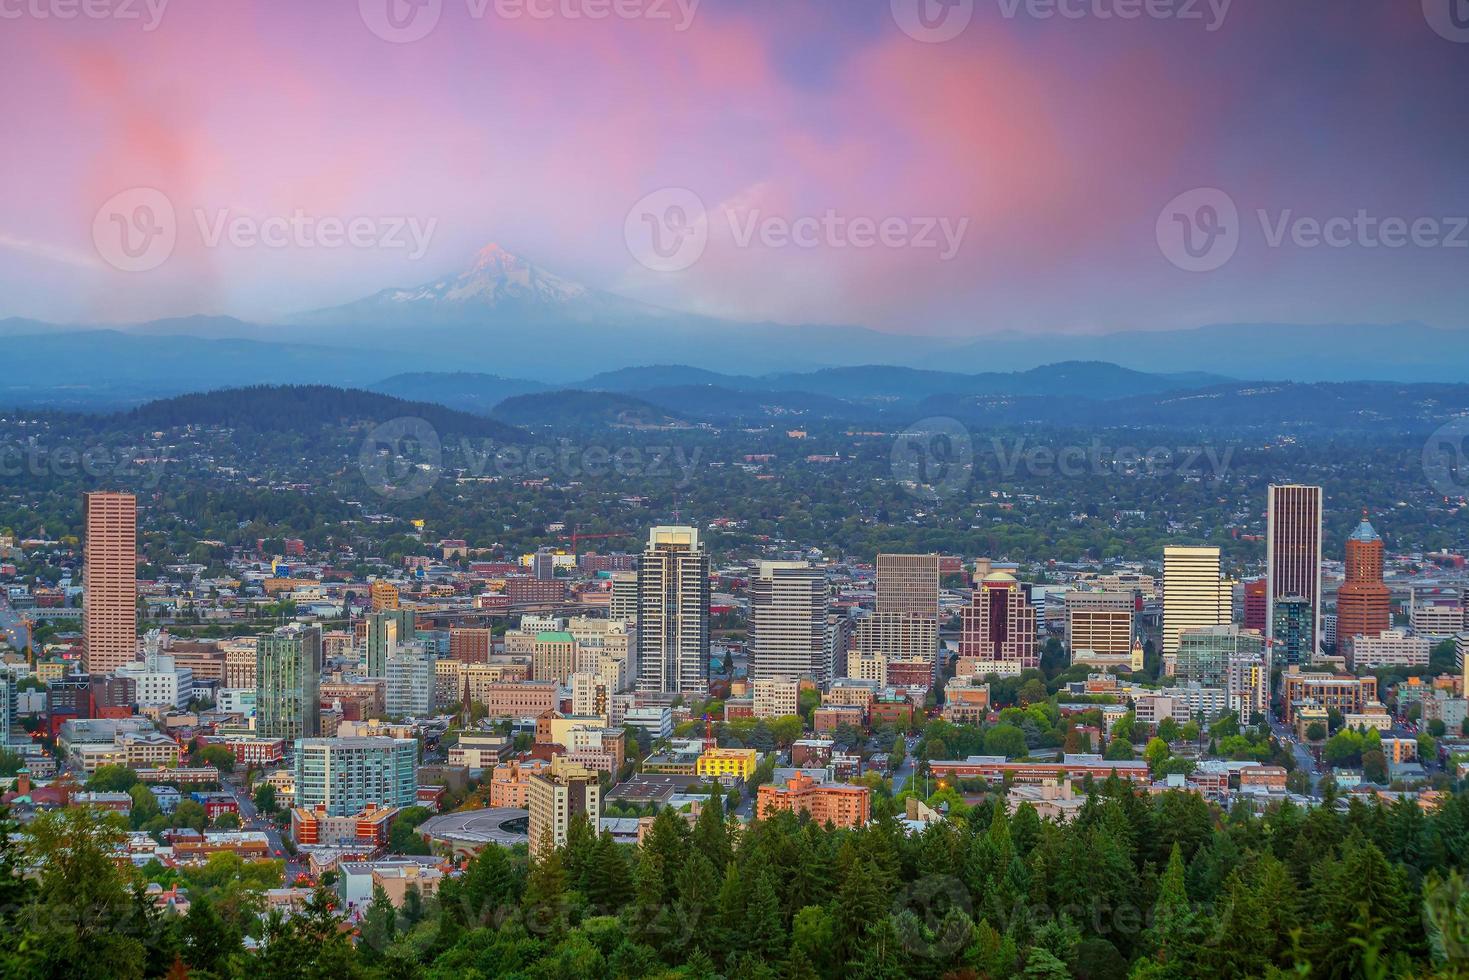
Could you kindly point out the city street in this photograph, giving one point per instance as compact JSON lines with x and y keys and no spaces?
{"x":251,"y":819}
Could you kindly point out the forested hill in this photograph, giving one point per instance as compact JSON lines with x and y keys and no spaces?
{"x":305,"y":408}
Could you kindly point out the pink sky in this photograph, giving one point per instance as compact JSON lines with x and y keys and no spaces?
{"x":1057,"y":141}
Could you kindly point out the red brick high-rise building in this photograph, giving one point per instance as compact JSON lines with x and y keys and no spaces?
{"x":110,"y":597}
{"x":1364,"y":603}
{"x":470,"y":644}
{"x":1255,"y":605}
{"x":999,"y":623}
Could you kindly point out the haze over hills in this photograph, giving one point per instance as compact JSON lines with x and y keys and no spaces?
{"x":501,"y":315}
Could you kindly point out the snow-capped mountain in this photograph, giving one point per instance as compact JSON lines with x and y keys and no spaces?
{"x":495,"y":286}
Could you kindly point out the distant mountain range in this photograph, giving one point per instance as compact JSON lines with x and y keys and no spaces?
{"x":1228,"y":409}
{"x":503,"y":316}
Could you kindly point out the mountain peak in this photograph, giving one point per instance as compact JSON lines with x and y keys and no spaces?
{"x":496,"y":257}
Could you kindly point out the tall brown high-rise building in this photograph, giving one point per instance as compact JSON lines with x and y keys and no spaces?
{"x":908,"y":584}
{"x":110,"y":598}
{"x":1364,"y":603}
{"x":1293,"y":554}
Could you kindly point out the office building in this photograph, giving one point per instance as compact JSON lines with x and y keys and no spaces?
{"x":591,"y":696}
{"x":787,"y":625}
{"x":556,"y":796}
{"x":624,"y":604}
{"x":775,"y":697}
{"x":411,"y":683}
{"x":470,"y":645}
{"x":157,"y":680}
{"x":1255,"y":605}
{"x":1194,"y":594}
{"x":998,"y":625}
{"x":1290,"y":630}
{"x":288,"y":683}
{"x":110,"y":599}
{"x":673,"y":614}
{"x":1436,"y":613}
{"x":1204,"y":654}
{"x":1293,"y":555}
{"x":1099,"y":627}
{"x":1343,"y":693}
{"x":1389,"y":648}
{"x":908,"y":584}
{"x":894,"y":635}
{"x":386,"y":631}
{"x":345,"y":775}
{"x":1363,"y":603}
{"x":554,"y":656}
{"x":382,"y":595}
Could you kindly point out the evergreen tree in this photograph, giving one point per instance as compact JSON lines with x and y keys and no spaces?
{"x":208,"y":941}
{"x":711,"y":835}
{"x":544,"y":901}
{"x":379,"y":926}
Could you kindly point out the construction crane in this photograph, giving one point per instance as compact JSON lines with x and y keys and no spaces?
{"x":576,"y":536}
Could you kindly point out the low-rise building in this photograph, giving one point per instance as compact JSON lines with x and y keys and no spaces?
{"x":718,"y":762}
{"x":839,"y":805}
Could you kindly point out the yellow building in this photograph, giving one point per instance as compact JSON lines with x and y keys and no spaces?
{"x":727,"y":762}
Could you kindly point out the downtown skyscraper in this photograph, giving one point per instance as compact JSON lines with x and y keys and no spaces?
{"x":673,"y":614}
{"x":1195,"y":596}
{"x":1364,"y":602}
{"x":1293,"y":556}
{"x":288,"y":683}
{"x":110,"y":600}
{"x":787,"y":636}
{"x":999,"y":624}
